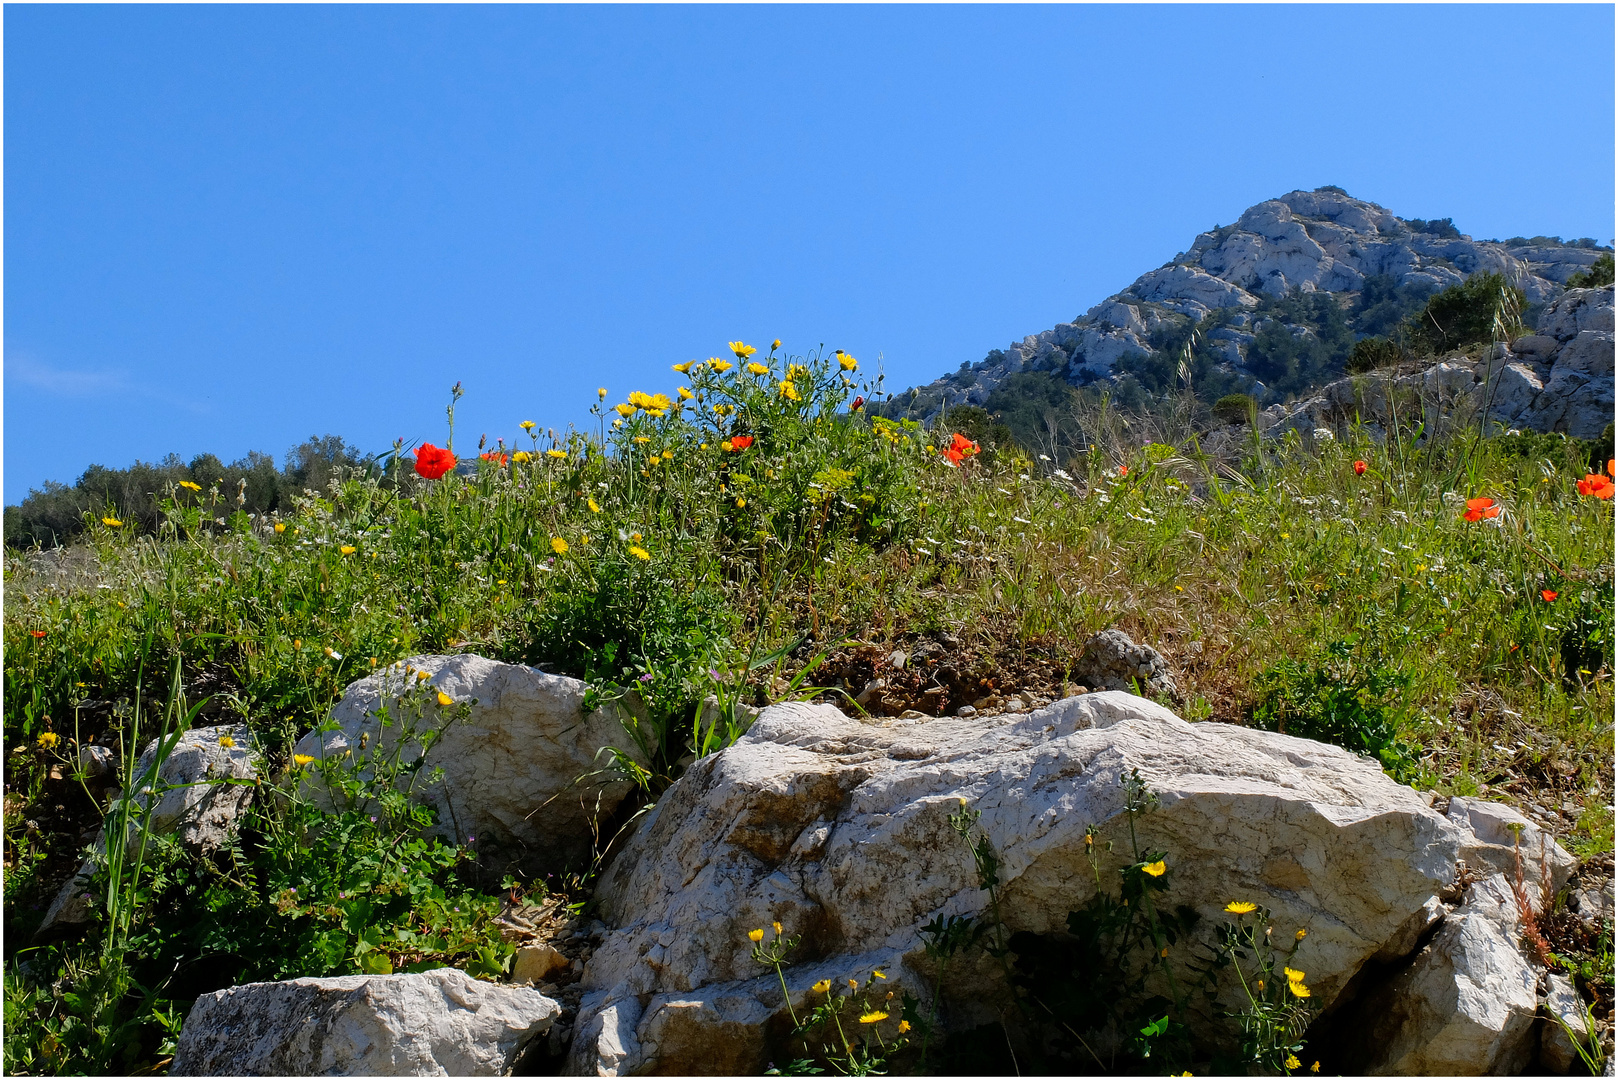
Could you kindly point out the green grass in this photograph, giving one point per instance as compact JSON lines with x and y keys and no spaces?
{"x":644,"y":551}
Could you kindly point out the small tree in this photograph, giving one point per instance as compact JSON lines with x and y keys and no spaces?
{"x":1464,"y":314}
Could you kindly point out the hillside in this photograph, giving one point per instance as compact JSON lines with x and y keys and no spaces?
{"x":1270,"y":305}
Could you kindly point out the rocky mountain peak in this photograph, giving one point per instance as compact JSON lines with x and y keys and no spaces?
{"x":1237,"y":280}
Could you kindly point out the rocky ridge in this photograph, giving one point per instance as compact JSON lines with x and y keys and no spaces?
{"x":1304,"y":241}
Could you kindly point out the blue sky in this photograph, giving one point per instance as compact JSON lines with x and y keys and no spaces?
{"x":227,"y":229}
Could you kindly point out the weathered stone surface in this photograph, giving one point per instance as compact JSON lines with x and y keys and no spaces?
{"x":516,"y":773}
{"x":437,"y":1023}
{"x":1556,"y":1051}
{"x":1494,"y":845}
{"x":534,"y":962}
{"x":195,"y":801}
{"x":1465,"y":1004}
{"x":838,"y":829}
{"x":1111,"y":661}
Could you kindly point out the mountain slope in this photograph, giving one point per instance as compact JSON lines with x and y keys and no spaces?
{"x":1269,"y":305}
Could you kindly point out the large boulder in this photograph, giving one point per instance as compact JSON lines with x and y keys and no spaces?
{"x":1464,"y":1005}
{"x":436,"y":1023}
{"x":839,"y":830}
{"x":201,"y":787}
{"x":527,"y":770}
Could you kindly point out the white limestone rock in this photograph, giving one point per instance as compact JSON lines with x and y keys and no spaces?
{"x":516,"y":773}
{"x":436,"y":1023}
{"x":838,"y":829}
{"x":1465,"y":1005}
{"x":201,"y":787}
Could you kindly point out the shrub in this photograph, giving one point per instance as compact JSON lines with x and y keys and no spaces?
{"x":1477,"y":310}
{"x":1598,"y":276}
{"x":1235,"y":409}
{"x":1343,"y":697}
{"x":1372,"y":353}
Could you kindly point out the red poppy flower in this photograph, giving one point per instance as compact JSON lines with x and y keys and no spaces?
{"x":965,"y":446}
{"x":953,"y":456}
{"x":1597,"y":485}
{"x":1359,"y":468}
{"x":1123,"y":470}
{"x":37,"y":633}
{"x":857,"y":404}
{"x":741,"y":442}
{"x":498,"y":459}
{"x":1609,"y":468}
{"x":1548,"y":595}
{"x":433,"y":461}
{"x":1478,"y":509}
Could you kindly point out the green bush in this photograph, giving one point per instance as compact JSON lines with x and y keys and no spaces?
{"x":1478,"y":310}
{"x":1343,"y":697}
{"x":1372,"y":353}
{"x":1598,"y":276}
{"x":1235,"y":409}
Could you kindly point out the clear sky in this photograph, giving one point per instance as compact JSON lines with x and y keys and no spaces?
{"x":229,"y":228}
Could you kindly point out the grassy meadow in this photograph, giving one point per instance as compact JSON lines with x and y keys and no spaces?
{"x":749,"y":532}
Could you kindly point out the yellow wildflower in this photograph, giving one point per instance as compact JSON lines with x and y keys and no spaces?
{"x":1155,"y":869}
{"x":641,"y":440}
{"x":189,"y":486}
{"x":602,"y":393}
{"x":640,"y":553}
{"x":1298,"y":989}
{"x":445,"y":699}
{"x":521,"y":456}
{"x":740,"y":502}
{"x":280,"y":527}
{"x":1292,"y":976}
{"x":875,"y":1017}
{"x":1302,"y":934}
{"x":227,"y":742}
{"x":904,"y":1026}
{"x":111,"y":522}
{"x":660,"y":401}
{"x":790,"y":392}
{"x":300,"y":760}
{"x":624,"y":410}
{"x":878,"y":973}
{"x":527,"y":425}
{"x":755,"y":936}
{"x":777,"y":928}
{"x":348,"y":549}
{"x":853,"y":984}
{"x":1240,"y":907}
{"x":49,"y":739}
{"x":560,"y":455}
{"x":558,"y":545}
{"x":1292,"y":1061}
{"x":757,"y":369}
{"x":595,"y":507}
{"x":822,"y":987}
{"x":776,"y":344}
{"x":684,"y":368}
{"x":724,"y":410}
{"x":847,"y":362}
{"x":1315,"y":1067}
{"x":742,"y":351}
{"x":719,"y":364}
{"x":685,"y":393}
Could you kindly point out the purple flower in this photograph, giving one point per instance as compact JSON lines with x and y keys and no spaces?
{"x":714,"y":675}
{"x":470,"y":840}
{"x":373,"y":819}
{"x":342,"y":896}
{"x":646,"y":677}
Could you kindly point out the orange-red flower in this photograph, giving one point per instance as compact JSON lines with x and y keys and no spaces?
{"x":1597,"y":485}
{"x":1123,"y":470}
{"x":1609,"y":468}
{"x":37,"y":633}
{"x":433,"y":461}
{"x":1359,"y":468}
{"x":1478,"y":509}
{"x":741,"y":442}
{"x":1548,"y":595}
{"x":857,"y":404}
{"x":498,"y":459}
{"x":960,"y":448}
